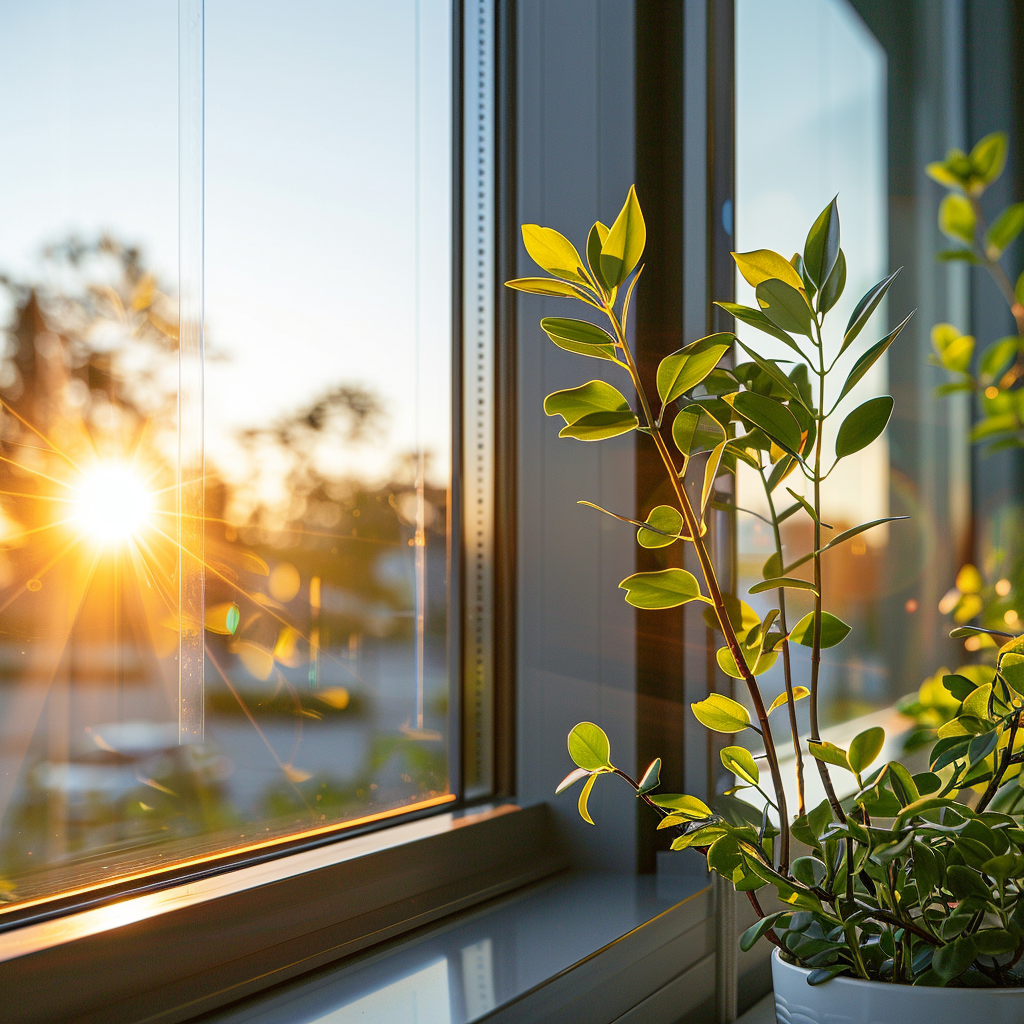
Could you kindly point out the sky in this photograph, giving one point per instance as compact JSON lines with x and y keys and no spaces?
{"x":810,"y":123}
{"x":327,"y":190}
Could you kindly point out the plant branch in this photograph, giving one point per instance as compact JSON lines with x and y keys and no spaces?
{"x":711,"y":580}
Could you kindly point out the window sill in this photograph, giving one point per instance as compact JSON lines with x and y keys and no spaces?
{"x":170,"y":955}
{"x":584,"y":946}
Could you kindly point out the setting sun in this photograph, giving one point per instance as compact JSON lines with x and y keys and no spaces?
{"x":112,"y":503}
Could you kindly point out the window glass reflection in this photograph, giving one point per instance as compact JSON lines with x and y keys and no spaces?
{"x":327,"y":430}
{"x":827,"y":137}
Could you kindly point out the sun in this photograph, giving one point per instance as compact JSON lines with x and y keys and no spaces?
{"x":113,"y":503}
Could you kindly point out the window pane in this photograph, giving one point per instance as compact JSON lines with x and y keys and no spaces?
{"x":827,"y":137}
{"x":327,"y":383}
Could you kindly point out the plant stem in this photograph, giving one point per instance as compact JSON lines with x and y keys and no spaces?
{"x":826,"y":779}
{"x":786,"y":664}
{"x":997,"y":775}
{"x":711,"y":580}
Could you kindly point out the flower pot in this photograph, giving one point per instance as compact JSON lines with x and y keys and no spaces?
{"x":852,"y":1001}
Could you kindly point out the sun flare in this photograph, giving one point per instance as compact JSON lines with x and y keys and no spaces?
{"x":112,"y":504}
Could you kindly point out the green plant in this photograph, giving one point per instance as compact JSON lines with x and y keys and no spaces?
{"x":996,"y":386}
{"x":928,"y":896}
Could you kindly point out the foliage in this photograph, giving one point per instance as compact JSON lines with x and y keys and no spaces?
{"x":996,"y":375}
{"x":902,"y":881}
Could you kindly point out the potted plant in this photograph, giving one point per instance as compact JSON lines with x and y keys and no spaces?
{"x":911,"y":883}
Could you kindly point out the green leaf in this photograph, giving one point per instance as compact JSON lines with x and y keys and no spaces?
{"x":1005,"y":228}
{"x":685,"y":369}
{"x":771,"y":416}
{"x":799,"y":692}
{"x":756,"y":660}
{"x":951,"y":961}
{"x":695,"y":430}
{"x":739,"y":761}
{"x":997,"y":357}
{"x":834,"y":287}
{"x":926,"y":868}
{"x":869,"y":359}
{"x":782,"y":581}
{"x":700,"y":837}
{"x":784,"y":306}
{"x":543,"y":286}
{"x":596,"y":426}
{"x":651,"y":777}
{"x":666,"y":588}
{"x":833,"y":630}
{"x":829,"y":753}
{"x":594,"y":396}
{"x":994,"y":941}
{"x":553,"y":252}
{"x":865,"y":747}
{"x":809,"y":871}
{"x":863,"y":425}
{"x":821,"y":250}
{"x":867,"y":305}
{"x":589,"y":747}
{"x":567,"y":330}
{"x":584,"y":796}
{"x":625,"y":243}
{"x":596,"y":239}
{"x":1018,"y":289}
{"x":571,"y":779}
{"x":953,"y":348}
{"x":710,"y":473}
{"x":666,"y":524}
{"x":956,"y":218}
{"x":755,"y":318}
{"x":721,"y":714}
{"x":749,"y":938}
{"x":681,"y":803}
{"x":956,"y":256}
{"x":764,"y":265}
{"x":964,"y":882}
{"x":988,"y":157}
{"x":770,"y":367}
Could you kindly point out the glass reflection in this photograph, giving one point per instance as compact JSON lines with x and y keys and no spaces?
{"x":327,"y":408}
{"x":791,"y":160}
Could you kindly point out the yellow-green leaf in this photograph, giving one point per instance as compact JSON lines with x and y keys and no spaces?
{"x":596,"y":426}
{"x":553,"y":252}
{"x":584,"y":796}
{"x":625,"y":243}
{"x":976,"y":704}
{"x":799,"y":692}
{"x":681,"y":803}
{"x":956,"y":218}
{"x":739,"y":761}
{"x":763,"y":265}
{"x":829,"y":753}
{"x":695,"y":430}
{"x":666,"y":588}
{"x":685,"y":369}
{"x":833,"y":630}
{"x":953,"y":348}
{"x":790,"y":582}
{"x":988,"y":157}
{"x":589,"y":747}
{"x":865,"y":747}
{"x":710,"y":473}
{"x":543,"y":286}
{"x":594,"y":396}
{"x":721,"y":714}
{"x":665,"y":522}
{"x":699,"y":837}
{"x":758,"y":661}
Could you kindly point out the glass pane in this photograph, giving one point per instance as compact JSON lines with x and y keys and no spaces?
{"x":327,"y":431}
{"x":827,"y":137}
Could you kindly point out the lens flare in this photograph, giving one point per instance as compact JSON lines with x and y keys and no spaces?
{"x":112,"y":504}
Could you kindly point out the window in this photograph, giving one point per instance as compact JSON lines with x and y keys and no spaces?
{"x":791,"y":160}
{"x":226,"y":579}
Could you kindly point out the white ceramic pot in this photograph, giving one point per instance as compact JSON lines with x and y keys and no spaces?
{"x":852,"y":1001}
